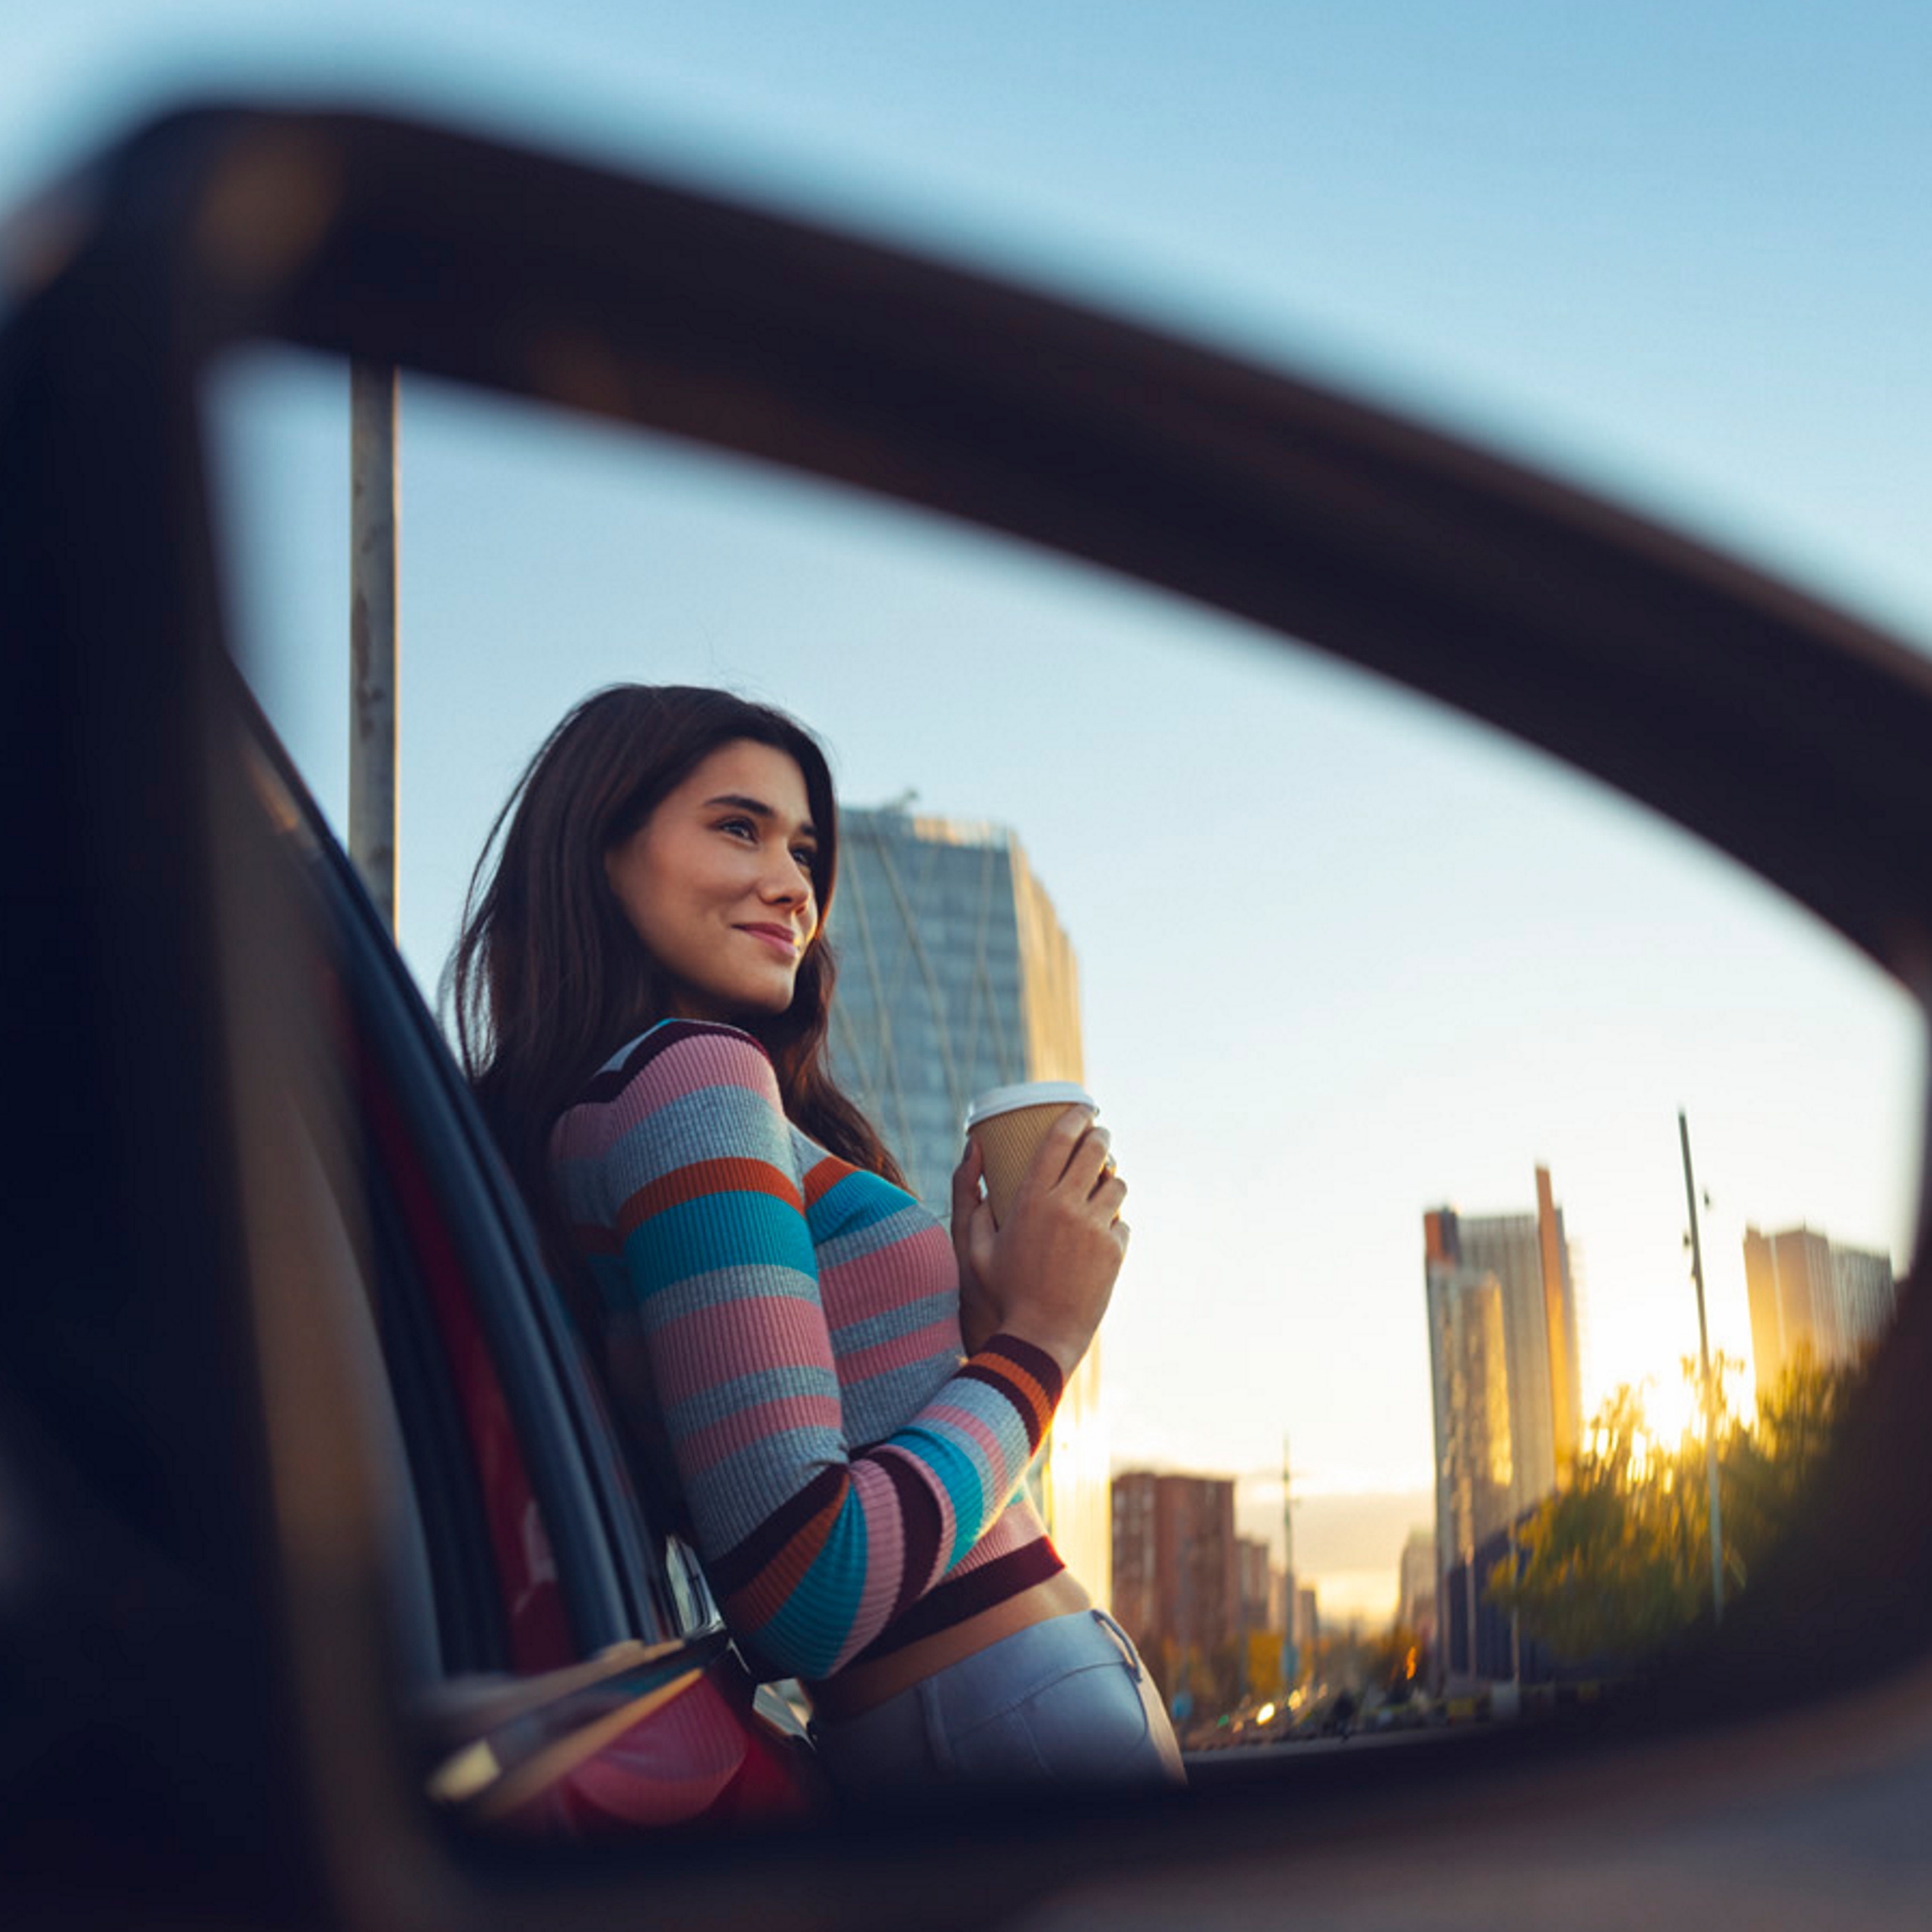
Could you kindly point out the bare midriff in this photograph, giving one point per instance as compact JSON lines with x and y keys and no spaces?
{"x":863,"y":1686}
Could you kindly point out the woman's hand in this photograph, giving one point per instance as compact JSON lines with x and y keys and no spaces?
{"x":979,"y":1317}
{"x":1047,"y":1275}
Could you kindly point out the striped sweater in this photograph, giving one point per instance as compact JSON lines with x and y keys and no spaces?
{"x":781,"y":1334}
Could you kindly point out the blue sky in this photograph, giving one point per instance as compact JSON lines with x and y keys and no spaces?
{"x":1342,"y":961}
{"x":1674,"y":244}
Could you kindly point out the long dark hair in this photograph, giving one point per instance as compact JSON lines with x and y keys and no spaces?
{"x":550,"y":979}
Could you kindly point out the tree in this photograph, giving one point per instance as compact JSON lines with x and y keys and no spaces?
{"x":1618,"y":1560}
{"x":1607,"y":1566}
{"x":1264,"y":1664}
{"x":1394,"y":1661}
{"x":1770,"y":1472}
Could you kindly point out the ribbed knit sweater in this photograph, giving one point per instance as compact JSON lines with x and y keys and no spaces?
{"x":783,"y":1340}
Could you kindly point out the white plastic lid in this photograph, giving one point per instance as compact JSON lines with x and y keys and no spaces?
{"x":1028,"y":1093}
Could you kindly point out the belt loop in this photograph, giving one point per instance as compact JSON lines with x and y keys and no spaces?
{"x":1130,"y":1656}
{"x":932,"y":1723}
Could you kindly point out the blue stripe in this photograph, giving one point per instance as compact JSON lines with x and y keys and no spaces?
{"x":961,"y":1473}
{"x":811,"y":1629}
{"x":858,"y":1202}
{"x":716,"y":1231}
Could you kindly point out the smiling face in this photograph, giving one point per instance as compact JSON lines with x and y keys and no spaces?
{"x":718,"y":883}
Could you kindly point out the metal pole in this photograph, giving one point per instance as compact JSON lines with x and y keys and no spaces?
{"x":1469,"y":1601}
{"x":1291,"y":1661}
{"x":372,"y":633}
{"x":1704,"y":1352}
{"x":1516,"y":1617}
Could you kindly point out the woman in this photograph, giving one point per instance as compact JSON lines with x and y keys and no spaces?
{"x":642,"y":990}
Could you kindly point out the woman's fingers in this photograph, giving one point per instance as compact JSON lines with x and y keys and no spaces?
{"x":1076,"y":1154}
{"x":975,"y":1236}
{"x":966,"y":1182}
{"x":1067,"y":1149}
{"x":1059,"y":1145}
{"x":1060,"y":1249}
{"x":1090,"y":1165}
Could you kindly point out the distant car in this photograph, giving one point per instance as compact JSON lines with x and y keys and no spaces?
{"x":323,"y":1595}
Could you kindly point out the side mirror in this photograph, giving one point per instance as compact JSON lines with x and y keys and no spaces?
{"x":210,"y":1435}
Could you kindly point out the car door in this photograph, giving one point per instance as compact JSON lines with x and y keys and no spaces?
{"x":566,"y":1672}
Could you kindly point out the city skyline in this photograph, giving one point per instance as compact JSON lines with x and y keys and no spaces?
{"x":1364,"y":1586}
{"x":958,"y":975}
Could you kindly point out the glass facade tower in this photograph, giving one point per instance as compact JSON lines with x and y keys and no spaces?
{"x":954,"y":977}
{"x":1504,"y":1366}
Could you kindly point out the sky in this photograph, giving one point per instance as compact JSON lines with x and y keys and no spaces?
{"x":1344,"y":958}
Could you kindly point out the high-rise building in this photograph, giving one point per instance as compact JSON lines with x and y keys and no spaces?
{"x":1177,"y":1575}
{"x":1307,"y":1621}
{"x":1469,"y":1365}
{"x":1253,"y":1568}
{"x":1810,"y":1298}
{"x":954,"y":976}
{"x":1504,"y":1369}
{"x":1280,"y":1609}
{"x":1262,"y":1637}
{"x":1137,"y":1553}
{"x":1416,"y":1583}
{"x":1867,"y":1296}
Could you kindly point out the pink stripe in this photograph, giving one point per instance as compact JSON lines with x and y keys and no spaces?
{"x":1017,"y":1525}
{"x":936,"y":1341}
{"x":702,"y":1449}
{"x":920,"y":1258}
{"x":884,"y":1555}
{"x":707,"y":1061}
{"x":949,"y":1527}
{"x":721,"y":1342}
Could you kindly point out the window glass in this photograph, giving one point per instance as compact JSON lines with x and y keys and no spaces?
{"x":1410,"y":1039}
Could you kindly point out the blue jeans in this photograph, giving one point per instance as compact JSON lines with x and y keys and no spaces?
{"x":1068,"y":1699}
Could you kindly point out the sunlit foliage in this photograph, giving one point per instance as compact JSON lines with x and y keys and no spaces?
{"x":1617,"y":1561}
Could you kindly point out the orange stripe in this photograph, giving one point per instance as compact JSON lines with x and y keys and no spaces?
{"x":765,"y":1595}
{"x":825,"y":1175}
{"x":733,"y":1174}
{"x":1008,"y":1370}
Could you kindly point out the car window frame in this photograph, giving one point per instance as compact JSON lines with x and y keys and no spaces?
{"x":497,"y":1303}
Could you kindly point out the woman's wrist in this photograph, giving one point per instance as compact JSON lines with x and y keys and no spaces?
{"x":1045,"y":1357}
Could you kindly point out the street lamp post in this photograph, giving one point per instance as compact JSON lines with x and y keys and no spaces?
{"x":372,"y":522}
{"x":1710,"y":1404}
{"x":1291,"y":1661}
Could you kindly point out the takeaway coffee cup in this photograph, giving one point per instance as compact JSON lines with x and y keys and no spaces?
{"x":1007,"y":1123}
